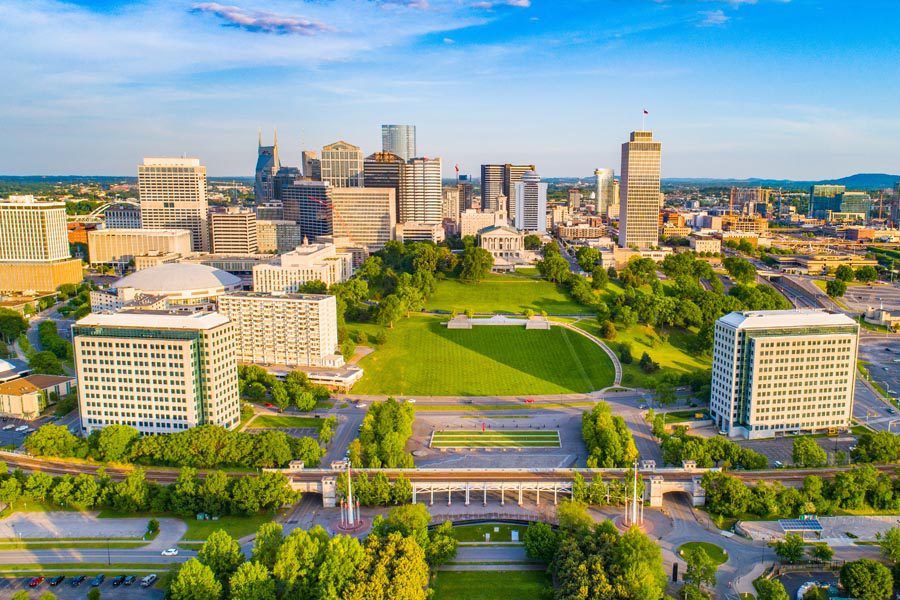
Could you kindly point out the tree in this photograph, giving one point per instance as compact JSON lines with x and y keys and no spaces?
{"x":554,"y":267}
{"x":835,"y":288}
{"x":93,"y":594}
{"x":845,"y":273}
{"x":53,"y":440}
{"x":587,"y":257}
{"x":540,"y":541}
{"x":532,"y":242}
{"x":573,"y":516}
{"x":741,"y":270}
{"x":12,"y":325}
{"x":866,"y":579}
{"x":441,"y":545}
{"x":822,"y":552}
{"x":476,"y":264}
{"x":45,"y":363}
{"x":889,"y":541}
{"x":608,"y":330}
{"x":701,"y":569}
{"x":770,"y":589}
{"x":280,"y":396}
{"x":599,"y":278}
{"x":268,"y":540}
{"x":807,"y":453}
{"x":251,"y":581}
{"x":647,"y":364}
{"x":221,"y":553}
{"x":790,"y":549}
{"x":195,"y":581}
{"x":114,"y":442}
{"x":390,"y":310}
{"x":665,"y":393}
{"x":866,"y":274}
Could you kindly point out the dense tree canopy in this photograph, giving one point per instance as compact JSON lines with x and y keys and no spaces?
{"x":607,"y":437}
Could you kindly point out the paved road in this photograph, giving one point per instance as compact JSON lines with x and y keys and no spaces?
{"x":74,"y":556}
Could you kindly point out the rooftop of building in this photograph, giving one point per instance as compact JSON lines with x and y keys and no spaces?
{"x":11,"y":368}
{"x":178,"y":277}
{"x":31,"y":383}
{"x":279,"y":296}
{"x":29,"y":201}
{"x":156,"y":319}
{"x":142,"y":232}
{"x":499,"y":229}
{"x":800,"y":317}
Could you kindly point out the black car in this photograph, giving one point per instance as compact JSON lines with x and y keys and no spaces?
{"x":118,"y":580}
{"x":129,"y":580}
{"x":78,"y":580}
{"x":96,"y":581}
{"x":54,"y":581}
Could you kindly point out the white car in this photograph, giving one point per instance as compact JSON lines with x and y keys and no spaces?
{"x":21,"y":428}
{"x":411,"y":400}
{"x":8,"y":427}
{"x":170,"y":552}
{"x":360,"y":405}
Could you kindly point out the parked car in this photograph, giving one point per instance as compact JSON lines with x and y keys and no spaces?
{"x":411,"y":400}
{"x":78,"y":580}
{"x":21,"y":428}
{"x":55,"y":581}
{"x":170,"y":552}
{"x":96,"y":581}
{"x":778,"y":464}
{"x":118,"y":580}
{"x":148,"y":580}
{"x":36,"y":581}
{"x":8,"y":427}
{"x":129,"y":580}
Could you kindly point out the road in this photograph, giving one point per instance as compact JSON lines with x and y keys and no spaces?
{"x":75,"y":556}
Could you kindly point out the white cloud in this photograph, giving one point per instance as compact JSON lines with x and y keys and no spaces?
{"x":712,"y":18}
{"x":449,"y":40}
{"x":261,"y":21}
{"x":489,"y":4}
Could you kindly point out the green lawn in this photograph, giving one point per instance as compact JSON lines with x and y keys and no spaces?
{"x":503,"y":294}
{"x":285,"y":422}
{"x":489,"y":439}
{"x":490,"y":585}
{"x":238,"y":527}
{"x":673,"y":355}
{"x":716,"y":553}
{"x":475,"y":533}
{"x":422,"y":357}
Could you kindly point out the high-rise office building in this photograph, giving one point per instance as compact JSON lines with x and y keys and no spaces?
{"x":158,"y":372}
{"x":173,"y":196}
{"x":120,"y":246}
{"x":122,"y":215}
{"x":273,"y":211}
{"x":777,"y":371}
{"x":385,"y":170}
{"x":639,"y":210}
{"x":308,"y":203}
{"x":531,"y":203}
{"x":312,"y":166}
{"x":308,"y":262}
{"x":399,"y":140}
{"x":284,"y":177}
{"x":605,"y":199}
{"x":294,"y":330}
{"x":492,"y":187}
{"x":420,"y":192}
{"x":451,"y":206}
{"x":512,"y":175}
{"x":233,"y":231}
{"x":466,"y":192}
{"x":342,"y":165}
{"x":34,"y":246}
{"x":574,"y":199}
{"x":367,"y":216}
{"x":824,"y":198}
{"x":277,"y":235}
{"x":267,"y":165}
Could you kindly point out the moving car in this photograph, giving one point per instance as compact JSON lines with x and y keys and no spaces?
{"x":411,"y":400}
{"x":96,"y":581}
{"x":148,"y":580}
{"x":529,"y":400}
{"x":118,"y":580}
{"x":170,"y":552}
{"x":55,"y":581}
{"x":778,"y":464}
{"x":129,"y":580}
{"x":36,"y":581}
{"x":78,"y":580}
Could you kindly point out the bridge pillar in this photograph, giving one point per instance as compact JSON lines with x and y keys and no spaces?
{"x":555,"y":486}
{"x":414,"y":493}
{"x":654,"y":491}
{"x":485,"y":495}
{"x":520,"y":494}
{"x":329,"y":492}
{"x":432,"y":497}
{"x":467,"y":493}
{"x":538,"y":495}
{"x":502,"y":499}
{"x":448,"y":496}
{"x":698,"y":495}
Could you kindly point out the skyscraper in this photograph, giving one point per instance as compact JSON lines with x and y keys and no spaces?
{"x":605,"y":180}
{"x":466,"y":192}
{"x":491,"y":187}
{"x":824,"y":198}
{"x":639,"y":211}
{"x":312,"y":167}
{"x":399,"y":140}
{"x":342,"y":165}
{"x":512,"y":174}
{"x":420,"y":192}
{"x":531,"y":203}
{"x":308,"y":203}
{"x":267,"y":165}
{"x":233,"y":231}
{"x":385,"y":170}
{"x":173,"y":196}
{"x":365,"y":215}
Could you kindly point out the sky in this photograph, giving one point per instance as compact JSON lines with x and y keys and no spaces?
{"x":794,"y":89}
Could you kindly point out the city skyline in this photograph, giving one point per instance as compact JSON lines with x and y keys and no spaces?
{"x":82,"y":77}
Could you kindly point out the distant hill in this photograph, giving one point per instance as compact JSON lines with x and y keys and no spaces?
{"x":859,"y":181}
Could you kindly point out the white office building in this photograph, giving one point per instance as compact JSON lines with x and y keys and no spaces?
{"x":308,"y":262}
{"x":157,"y":372}
{"x":639,"y":207}
{"x":531,"y":204}
{"x":780,"y":371}
{"x":173,"y":196}
{"x":294,"y":330}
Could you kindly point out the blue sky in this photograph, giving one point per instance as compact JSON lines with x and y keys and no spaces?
{"x":800,"y":89}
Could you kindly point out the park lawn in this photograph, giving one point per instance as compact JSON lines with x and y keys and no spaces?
{"x":475,"y":533}
{"x":423,"y":357}
{"x":237,"y":527}
{"x":490,"y":585}
{"x":673,"y":356}
{"x":285,"y":422}
{"x":503,"y":294}
{"x":716,"y":553}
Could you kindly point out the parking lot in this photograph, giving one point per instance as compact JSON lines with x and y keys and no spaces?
{"x":65,"y":591}
{"x":782,"y":449}
{"x":882,"y":353}
{"x":859,"y":297}
{"x":9,"y":436}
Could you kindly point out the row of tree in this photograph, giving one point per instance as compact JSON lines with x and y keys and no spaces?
{"x":257,"y":384}
{"x":205,"y":446}
{"x":379,"y":491}
{"x":707,"y":452}
{"x":215,"y":493}
{"x":608,"y":440}
{"x":394,"y":561}
{"x":859,"y":489}
{"x":385,"y":430}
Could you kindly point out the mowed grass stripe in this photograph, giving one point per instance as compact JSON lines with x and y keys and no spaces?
{"x":542,"y":444}
{"x":550,"y":434}
{"x":422,"y":357}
